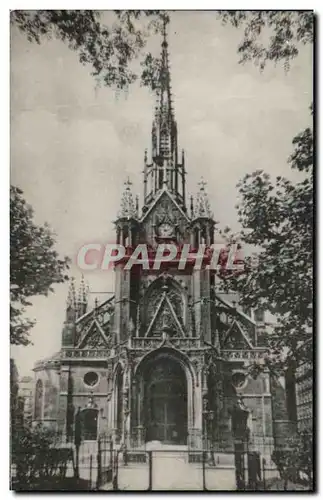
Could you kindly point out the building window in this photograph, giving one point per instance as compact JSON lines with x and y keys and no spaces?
{"x":91,"y":379}
{"x":39,"y":393}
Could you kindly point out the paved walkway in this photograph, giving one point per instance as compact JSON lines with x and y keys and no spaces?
{"x":171,"y":471}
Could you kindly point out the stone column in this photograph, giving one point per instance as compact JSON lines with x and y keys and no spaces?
{"x":198,"y":409}
{"x":127,"y":406}
{"x":63,"y":401}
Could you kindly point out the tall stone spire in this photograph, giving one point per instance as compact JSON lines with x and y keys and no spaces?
{"x":164,"y":135}
{"x":165,"y":171}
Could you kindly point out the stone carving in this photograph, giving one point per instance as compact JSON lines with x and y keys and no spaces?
{"x":153,"y":298}
{"x":165,"y":210}
{"x":85,"y":353}
{"x":94,"y":339}
{"x":243,"y":355}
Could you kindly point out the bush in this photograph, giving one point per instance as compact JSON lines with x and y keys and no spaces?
{"x":37,"y":457}
{"x":295,"y":462}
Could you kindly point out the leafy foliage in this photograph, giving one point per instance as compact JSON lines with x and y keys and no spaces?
{"x":277,"y":218}
{"x":36,"y":456}
{"x":297,"y":459}
{"x":34,"y":264}
{"x":16,"y":406}
{"x":271,"y":35}
{"x":109,"y":50}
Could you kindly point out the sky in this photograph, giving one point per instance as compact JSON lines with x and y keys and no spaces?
{"x":73,"y":144}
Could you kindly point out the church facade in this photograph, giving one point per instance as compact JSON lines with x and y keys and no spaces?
{"x":166,"y":358}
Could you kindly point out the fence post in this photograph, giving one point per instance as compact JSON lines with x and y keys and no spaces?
{"x":203,"y":470}
{"x":99,"y":458}
{"x":111,"y":453}
{"x":77,"y":455}
{"x":91,"y":472}
{"x":150,"y":485}
{"x":263,"y":472}
{"x":115,"y":477}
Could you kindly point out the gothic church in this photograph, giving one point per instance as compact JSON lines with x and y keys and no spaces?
{"x":166,"y":358}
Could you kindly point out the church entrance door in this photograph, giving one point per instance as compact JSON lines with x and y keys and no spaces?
{"x":166,"y":398}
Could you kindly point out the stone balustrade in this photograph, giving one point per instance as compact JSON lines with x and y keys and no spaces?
{"x":155,"y":342}
{"x":243,"y":355}
{"x":88,"y":354}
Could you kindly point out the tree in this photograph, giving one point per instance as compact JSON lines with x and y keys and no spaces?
{"x":296,"y":459}
{"x":271,"y":35}
{"x":40,"y":461}
{"x":277,"y":218}
{"x":109,"y":50}
{"x":15,"y":414}
{"x":34,"y":264}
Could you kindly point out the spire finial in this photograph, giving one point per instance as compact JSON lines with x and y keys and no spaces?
{"x":82,"y":297}
{"x":202,"y":184}
{"x":128,"y":183}
{"x":71,"y":297}
{"x":202,"y":205}
{"x":164,"y":44}
{"x":128,"y":207}
{"x":71,"y":304}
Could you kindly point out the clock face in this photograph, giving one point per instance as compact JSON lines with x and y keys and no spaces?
{"x":166,"y":230}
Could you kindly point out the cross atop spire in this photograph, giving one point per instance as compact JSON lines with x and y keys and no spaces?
{"x":164,"y":44}
{"x":128,"y":184}
{"x":202,"y":184}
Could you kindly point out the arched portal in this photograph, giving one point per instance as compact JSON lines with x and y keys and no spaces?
{"x":165,"y":401}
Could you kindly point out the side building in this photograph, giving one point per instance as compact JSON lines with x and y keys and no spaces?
{"x":304,"y":397}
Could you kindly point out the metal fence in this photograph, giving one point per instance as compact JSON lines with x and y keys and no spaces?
{"x":176,"y":469}
{"x":102,"y":465}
